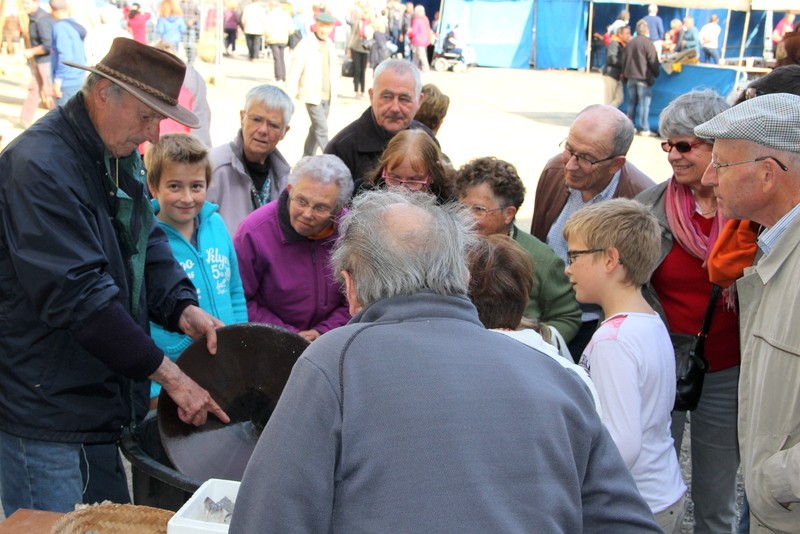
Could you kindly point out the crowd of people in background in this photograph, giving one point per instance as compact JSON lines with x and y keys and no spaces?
{"x":634,"y":53}
{"x":456,"y":359}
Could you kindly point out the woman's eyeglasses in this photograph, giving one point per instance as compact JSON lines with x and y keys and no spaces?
{"x":416,"y":184}
{"x":480,"y":212}
{"x":681,"y":146}
{"x":319,"y":209}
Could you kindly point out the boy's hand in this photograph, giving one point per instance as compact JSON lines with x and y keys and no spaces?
{"x":196,"y":323}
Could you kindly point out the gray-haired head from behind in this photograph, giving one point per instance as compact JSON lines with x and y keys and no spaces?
{"x":395,"y":243}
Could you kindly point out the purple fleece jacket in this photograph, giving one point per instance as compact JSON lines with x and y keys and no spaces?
{"x":287,"y":278}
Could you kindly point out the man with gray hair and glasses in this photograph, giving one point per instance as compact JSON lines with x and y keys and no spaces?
{"x":395,"y":98}
{"x":755,"y":173}
{"x":593,"y":167}
{"x":415,"y":418}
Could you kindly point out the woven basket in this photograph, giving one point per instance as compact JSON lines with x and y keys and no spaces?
{"x":114,"y":519}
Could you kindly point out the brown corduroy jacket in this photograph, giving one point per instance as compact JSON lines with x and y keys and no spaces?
{"x":552,"y":193}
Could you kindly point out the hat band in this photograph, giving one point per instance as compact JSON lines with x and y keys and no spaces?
{"x":136,"y":83}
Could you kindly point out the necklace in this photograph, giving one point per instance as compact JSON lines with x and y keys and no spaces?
{"x":707,"y":212}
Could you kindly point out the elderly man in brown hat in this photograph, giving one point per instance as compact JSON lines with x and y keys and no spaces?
{"x":84,"y":266}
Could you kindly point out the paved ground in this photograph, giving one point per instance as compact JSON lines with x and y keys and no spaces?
{"x":516,"y":115}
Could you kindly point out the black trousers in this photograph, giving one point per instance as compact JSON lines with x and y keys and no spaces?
{"x":359,"y":70}
{"x":253,"y":45}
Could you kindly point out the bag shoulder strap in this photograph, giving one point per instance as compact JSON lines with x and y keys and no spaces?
{"x":712,"y":304}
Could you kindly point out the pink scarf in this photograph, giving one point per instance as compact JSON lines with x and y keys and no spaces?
{"x":680,"y":207}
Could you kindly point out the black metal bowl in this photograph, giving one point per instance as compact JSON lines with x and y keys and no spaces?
{"x":246,"y":378}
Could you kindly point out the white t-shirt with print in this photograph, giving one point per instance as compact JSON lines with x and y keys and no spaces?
{"x":631,"y":361}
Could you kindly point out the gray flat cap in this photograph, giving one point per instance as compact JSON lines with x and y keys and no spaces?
{"x":770,"y":120}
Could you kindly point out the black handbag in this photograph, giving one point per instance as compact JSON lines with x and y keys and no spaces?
{"x":690,"y":360}
{"x":347,"y":68}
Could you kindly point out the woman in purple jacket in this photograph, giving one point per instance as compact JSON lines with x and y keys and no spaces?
{"x":284,"y":251}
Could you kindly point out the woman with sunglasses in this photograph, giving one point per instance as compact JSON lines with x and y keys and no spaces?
{"x":413,"y":160}
{"x":690,"y":222}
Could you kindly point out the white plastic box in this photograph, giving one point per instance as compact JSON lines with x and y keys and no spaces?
{"x":186,"y":520}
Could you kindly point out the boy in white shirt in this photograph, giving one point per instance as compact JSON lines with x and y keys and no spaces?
{"x":613,"y":248}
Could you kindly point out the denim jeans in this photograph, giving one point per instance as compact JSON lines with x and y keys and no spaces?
{"x":318,"y":131}
{"x":715,"y":452}
{"x":67,"y":92}
{"x":709,"y":55}
{"x":744,"y":516}
{"x":640,"y":96}
{"x":43,"y":475}
{"x":39,"y":475}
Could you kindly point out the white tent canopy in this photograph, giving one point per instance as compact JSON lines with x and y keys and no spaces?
{"x":733,"y":5}
{"x":774,"y":5}
{"x":736,"y":5}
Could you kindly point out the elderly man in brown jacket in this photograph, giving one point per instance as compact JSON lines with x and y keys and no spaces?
{"x":591,"y":168}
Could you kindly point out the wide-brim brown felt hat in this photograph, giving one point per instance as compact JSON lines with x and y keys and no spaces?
{"x":153,"y":76}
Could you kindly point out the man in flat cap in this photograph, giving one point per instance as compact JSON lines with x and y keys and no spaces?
{"x":83,"y":267}
{"x":755,"y":172}
{"x":313,"y":80}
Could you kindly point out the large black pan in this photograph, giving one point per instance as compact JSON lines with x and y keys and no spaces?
{"x":246,"y":378}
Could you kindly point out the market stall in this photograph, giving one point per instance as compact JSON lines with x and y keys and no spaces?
{"x":557,"y":33}
{"x":667,"y":88}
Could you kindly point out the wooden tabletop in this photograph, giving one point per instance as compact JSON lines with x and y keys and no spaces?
{"x":29,"y":522}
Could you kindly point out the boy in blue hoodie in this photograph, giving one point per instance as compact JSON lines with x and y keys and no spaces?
{"x":178,"y":174}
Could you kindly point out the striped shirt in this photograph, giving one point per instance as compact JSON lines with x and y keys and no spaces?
{"x":770,"y":236}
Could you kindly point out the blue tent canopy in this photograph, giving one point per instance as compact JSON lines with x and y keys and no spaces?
{"x":499,"y":31}
{"x":553,"y":33}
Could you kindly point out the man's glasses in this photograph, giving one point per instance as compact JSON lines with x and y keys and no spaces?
{"x":415,"y":185}
{"x":582,"y":160}
{"x":573,"y":254}
{"x":318,"y":209}
{"x":479,"y":212}
{"x":718,"y":166}
{"x":681,"y":146}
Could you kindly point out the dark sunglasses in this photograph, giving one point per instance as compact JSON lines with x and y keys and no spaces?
{"x":681,"y":146}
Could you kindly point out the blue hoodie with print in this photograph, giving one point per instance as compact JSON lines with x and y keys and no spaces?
{"x":213,"y":269}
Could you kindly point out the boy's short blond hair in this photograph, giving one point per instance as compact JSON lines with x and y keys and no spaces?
{"x":434,"y":108}
{"x":626,"y":225}
{"x":175,"y":148}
